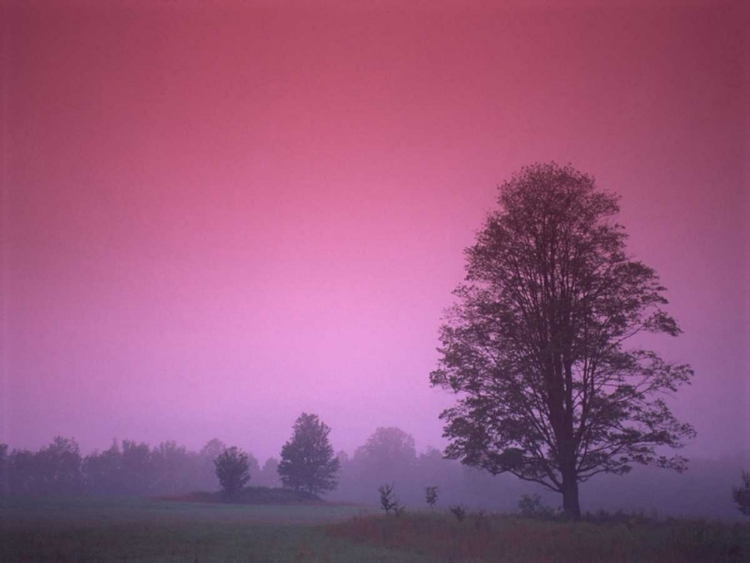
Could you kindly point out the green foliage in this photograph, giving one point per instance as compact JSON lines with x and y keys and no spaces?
{"x":233,"y":470}
{"x":741,"y":494}
{"x":307,"y":460}
{"x":431,"y":496}
{"x":535,"y":346}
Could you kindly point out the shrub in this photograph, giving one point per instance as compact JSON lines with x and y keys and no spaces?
{"x":531,"y":506}
{"x":431,"y":495}
{"x":458,"y":511}
{"x":741,"y":494}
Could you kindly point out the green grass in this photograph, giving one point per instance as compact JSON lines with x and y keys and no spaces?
{"x":121,"y":510}
{"x":131,"y":529}
{"x":254,"y":495}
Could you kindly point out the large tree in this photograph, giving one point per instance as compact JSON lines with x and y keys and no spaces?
{"x":536,"y":345}
{"x":387,"y":453}
{"x":60,"y":467}
{"x":307,"y":459}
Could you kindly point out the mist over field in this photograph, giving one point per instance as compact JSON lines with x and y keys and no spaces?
{"x":219,"y":215}
{"x":171,"y":471}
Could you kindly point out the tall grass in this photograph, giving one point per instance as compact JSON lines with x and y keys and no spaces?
{"x":129,"y":529}
{"x":481,"y":537}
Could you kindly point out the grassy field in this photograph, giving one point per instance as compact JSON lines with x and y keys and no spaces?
{"x":481,"y":537}
{"x":131,"y":529}
{"x":85,"y":529}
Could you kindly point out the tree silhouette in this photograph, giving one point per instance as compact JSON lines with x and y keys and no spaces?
{"x":387,"y":448}
{"x":307,"y":459}
{"x":741,"y":494}
{"x":535,"y":344}
{"x":232,"y":469}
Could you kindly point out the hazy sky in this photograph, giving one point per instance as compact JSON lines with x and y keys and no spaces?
{"x":217,"y":215}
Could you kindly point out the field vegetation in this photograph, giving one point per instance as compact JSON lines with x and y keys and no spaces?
{"x":512,"y":538}
{"x":133,"y":529}
{"x":251,"y":495}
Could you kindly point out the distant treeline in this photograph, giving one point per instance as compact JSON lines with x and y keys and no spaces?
{"x":388,"y":456}
{"x":127,"y":468}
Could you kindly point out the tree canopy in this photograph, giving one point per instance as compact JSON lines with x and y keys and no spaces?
{"x":232,"y":469}
{"x":535,"y":345}
{"x":307,"y":461}
{"x":387,"y":447}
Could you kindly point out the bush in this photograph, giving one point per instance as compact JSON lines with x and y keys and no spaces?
{"x":531,"y":506}
{"x":458,"y":511}
{"x":741,"y":494}
{"x":431,"y":495}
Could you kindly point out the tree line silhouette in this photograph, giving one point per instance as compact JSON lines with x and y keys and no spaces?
{"x":388,"y":456}
{"x":126,"y":468}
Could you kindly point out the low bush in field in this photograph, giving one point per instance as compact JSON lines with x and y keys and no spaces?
{"x":483,"y":537}
{"x":458,"y":511}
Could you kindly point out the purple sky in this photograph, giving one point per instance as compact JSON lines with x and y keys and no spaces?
{"x":217,"y":215}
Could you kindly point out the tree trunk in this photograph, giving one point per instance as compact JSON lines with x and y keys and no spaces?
{"x":571,"y":506}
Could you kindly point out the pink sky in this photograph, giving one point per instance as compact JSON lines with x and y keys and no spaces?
{"x":217,"y":215}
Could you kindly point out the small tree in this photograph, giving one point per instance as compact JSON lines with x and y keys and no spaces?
{"x":741,"y":494}
{"x":233,"y":470}
{"x":458,"y":511}
{"x":431,"y":495}
{"x":387,"y":501}
{"x":307,"y":459}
